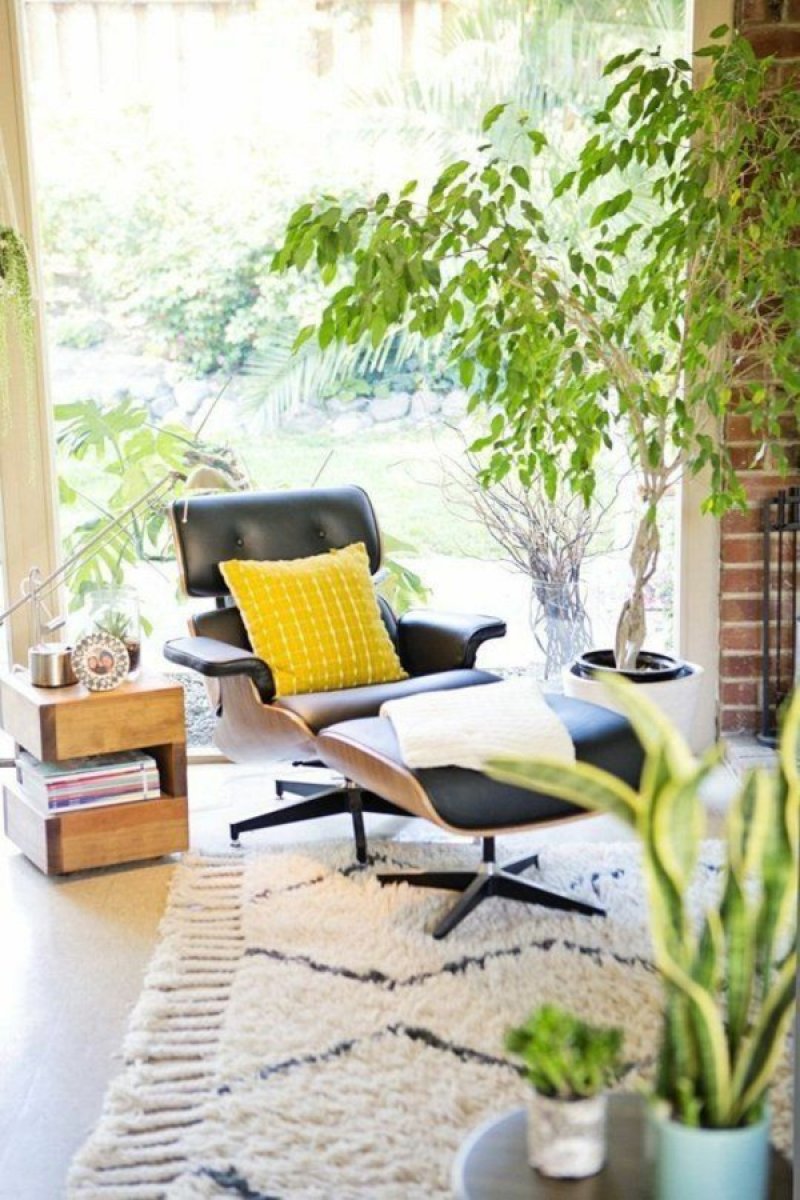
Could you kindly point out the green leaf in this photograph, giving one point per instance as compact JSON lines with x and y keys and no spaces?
{"x":305,"y":334}
{"x":66,"y":494}
{"x":491,"y":116}
{"x":564,"y":184}
{"x":520,"y":176}
{"x":756,"y":1065}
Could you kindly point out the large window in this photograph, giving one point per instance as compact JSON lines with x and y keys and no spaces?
{"x":173,"y":138}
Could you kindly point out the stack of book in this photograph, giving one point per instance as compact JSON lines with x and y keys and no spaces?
{"x":80,"y":782}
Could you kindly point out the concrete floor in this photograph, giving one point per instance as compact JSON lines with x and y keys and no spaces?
{"x":74,"y":954}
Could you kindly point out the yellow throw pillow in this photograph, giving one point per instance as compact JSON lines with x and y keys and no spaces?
{"x":315,"y":621}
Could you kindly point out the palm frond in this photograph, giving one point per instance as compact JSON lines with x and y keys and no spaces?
{"x":281,"y":382}
{"x":540,"y":58}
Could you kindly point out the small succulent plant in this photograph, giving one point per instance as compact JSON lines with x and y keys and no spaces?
{"x":564,"y":1057}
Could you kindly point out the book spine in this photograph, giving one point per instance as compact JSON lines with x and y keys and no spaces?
{"x":137,"y":788}
{"x":81,"y":802}
{"x":50,"y":782}
{"x":69,"y":783}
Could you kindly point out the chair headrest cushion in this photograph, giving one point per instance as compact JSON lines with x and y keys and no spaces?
{"x":265,"y":526}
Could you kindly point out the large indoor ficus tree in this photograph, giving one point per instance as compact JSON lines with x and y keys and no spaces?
{"x":677,"y":304}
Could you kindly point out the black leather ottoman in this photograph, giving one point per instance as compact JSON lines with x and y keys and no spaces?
{"x":468,"y":802}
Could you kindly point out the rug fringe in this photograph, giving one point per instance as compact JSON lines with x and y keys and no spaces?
{"x":136,"y":1150}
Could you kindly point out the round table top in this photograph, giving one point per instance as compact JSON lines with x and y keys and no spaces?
{"x":493,"y":1162}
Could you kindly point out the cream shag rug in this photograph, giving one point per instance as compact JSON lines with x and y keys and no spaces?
{"x":301,"y":1035}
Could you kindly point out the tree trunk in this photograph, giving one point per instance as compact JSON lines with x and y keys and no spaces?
{"x":631,"y":628}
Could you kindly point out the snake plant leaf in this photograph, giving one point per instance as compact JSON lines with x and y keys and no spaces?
{"x":679,"y":823}
{"x":739,"y":923}
{"x":780,"y":853}
{"x":779,"y":875}
{"x":749,"y":822}
{"x":707,"y":966}
{"x":789,"y":747}
{"x":665,"y":885}
{"x":709,"y":1032}
{"x":677,"y":1063}
{"x":757,"y":1062}
{"x":582,"y":784}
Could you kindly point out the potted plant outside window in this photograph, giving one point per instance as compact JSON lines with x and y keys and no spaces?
{"x":673,"y":307}
{"x":16,"y":306}
{"x":729,"y":978}
{"x":569,"y":1065}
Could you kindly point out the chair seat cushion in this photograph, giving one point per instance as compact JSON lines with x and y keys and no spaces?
{"x":320,"y":709}
{"x":471,"y":800}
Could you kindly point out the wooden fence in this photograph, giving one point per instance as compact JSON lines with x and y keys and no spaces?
{"x":153,"y":51}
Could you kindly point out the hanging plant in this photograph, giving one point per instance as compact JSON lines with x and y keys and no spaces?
{"x":16,"y":307}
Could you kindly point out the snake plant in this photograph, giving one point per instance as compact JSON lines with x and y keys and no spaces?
{"x":729,"y":979}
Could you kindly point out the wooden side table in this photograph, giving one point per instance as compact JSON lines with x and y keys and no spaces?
{"x":57,"y":723}
{"x":493,"y":1162}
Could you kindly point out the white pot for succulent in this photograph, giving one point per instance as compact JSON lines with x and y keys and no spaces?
{"x":566,"y":1138}
{"x":672,"y":684}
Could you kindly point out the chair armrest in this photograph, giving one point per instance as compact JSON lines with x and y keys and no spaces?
{"x":432,"y":641}
{"x":219,"y":660}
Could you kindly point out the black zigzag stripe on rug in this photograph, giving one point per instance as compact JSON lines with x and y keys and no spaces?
{"x":300,"y":1034}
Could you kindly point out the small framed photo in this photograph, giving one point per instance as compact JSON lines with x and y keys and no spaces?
{"x":100,"y":661}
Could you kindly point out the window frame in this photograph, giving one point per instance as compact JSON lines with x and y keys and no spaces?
{"x":28,"y":509}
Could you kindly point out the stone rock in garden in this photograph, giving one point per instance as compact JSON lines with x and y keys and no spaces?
{"x":454,"y":404}
{"x":162,"y":403}
{"x":105,"y":375}
{"x":190,"y":394}
{"x":390,"y":408}
{"x":350,"y":423}
{"x":337,"y":408}
{"x":309,"y":420}
{"x":430,"y":400}
{"x":235,"y":388}
{"x":420,"y":412}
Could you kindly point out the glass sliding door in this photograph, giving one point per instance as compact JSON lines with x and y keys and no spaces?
{"x":172,"y":142}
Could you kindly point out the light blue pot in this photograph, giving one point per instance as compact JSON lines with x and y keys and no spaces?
{"x":708,"y":1164}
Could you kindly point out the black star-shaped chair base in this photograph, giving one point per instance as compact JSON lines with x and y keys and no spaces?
{"x":489,"y":880}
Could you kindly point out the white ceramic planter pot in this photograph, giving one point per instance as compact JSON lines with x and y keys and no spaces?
{"x":566,"y":1138}
{"x":677,"y":698}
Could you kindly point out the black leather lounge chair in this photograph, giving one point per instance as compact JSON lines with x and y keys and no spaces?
{"x":468,"y":802}
{"x":436,"y":649}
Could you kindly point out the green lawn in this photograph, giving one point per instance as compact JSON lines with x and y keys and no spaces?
{"x":401,"y":472}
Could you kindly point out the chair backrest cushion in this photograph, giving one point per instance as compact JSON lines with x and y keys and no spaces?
{"x":316,"y":622}
{"x":267,"y":526}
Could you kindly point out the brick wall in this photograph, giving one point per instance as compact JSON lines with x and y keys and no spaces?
{"x":773,"y":27}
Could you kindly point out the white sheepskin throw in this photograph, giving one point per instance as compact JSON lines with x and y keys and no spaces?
{"x":467,"y":726}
